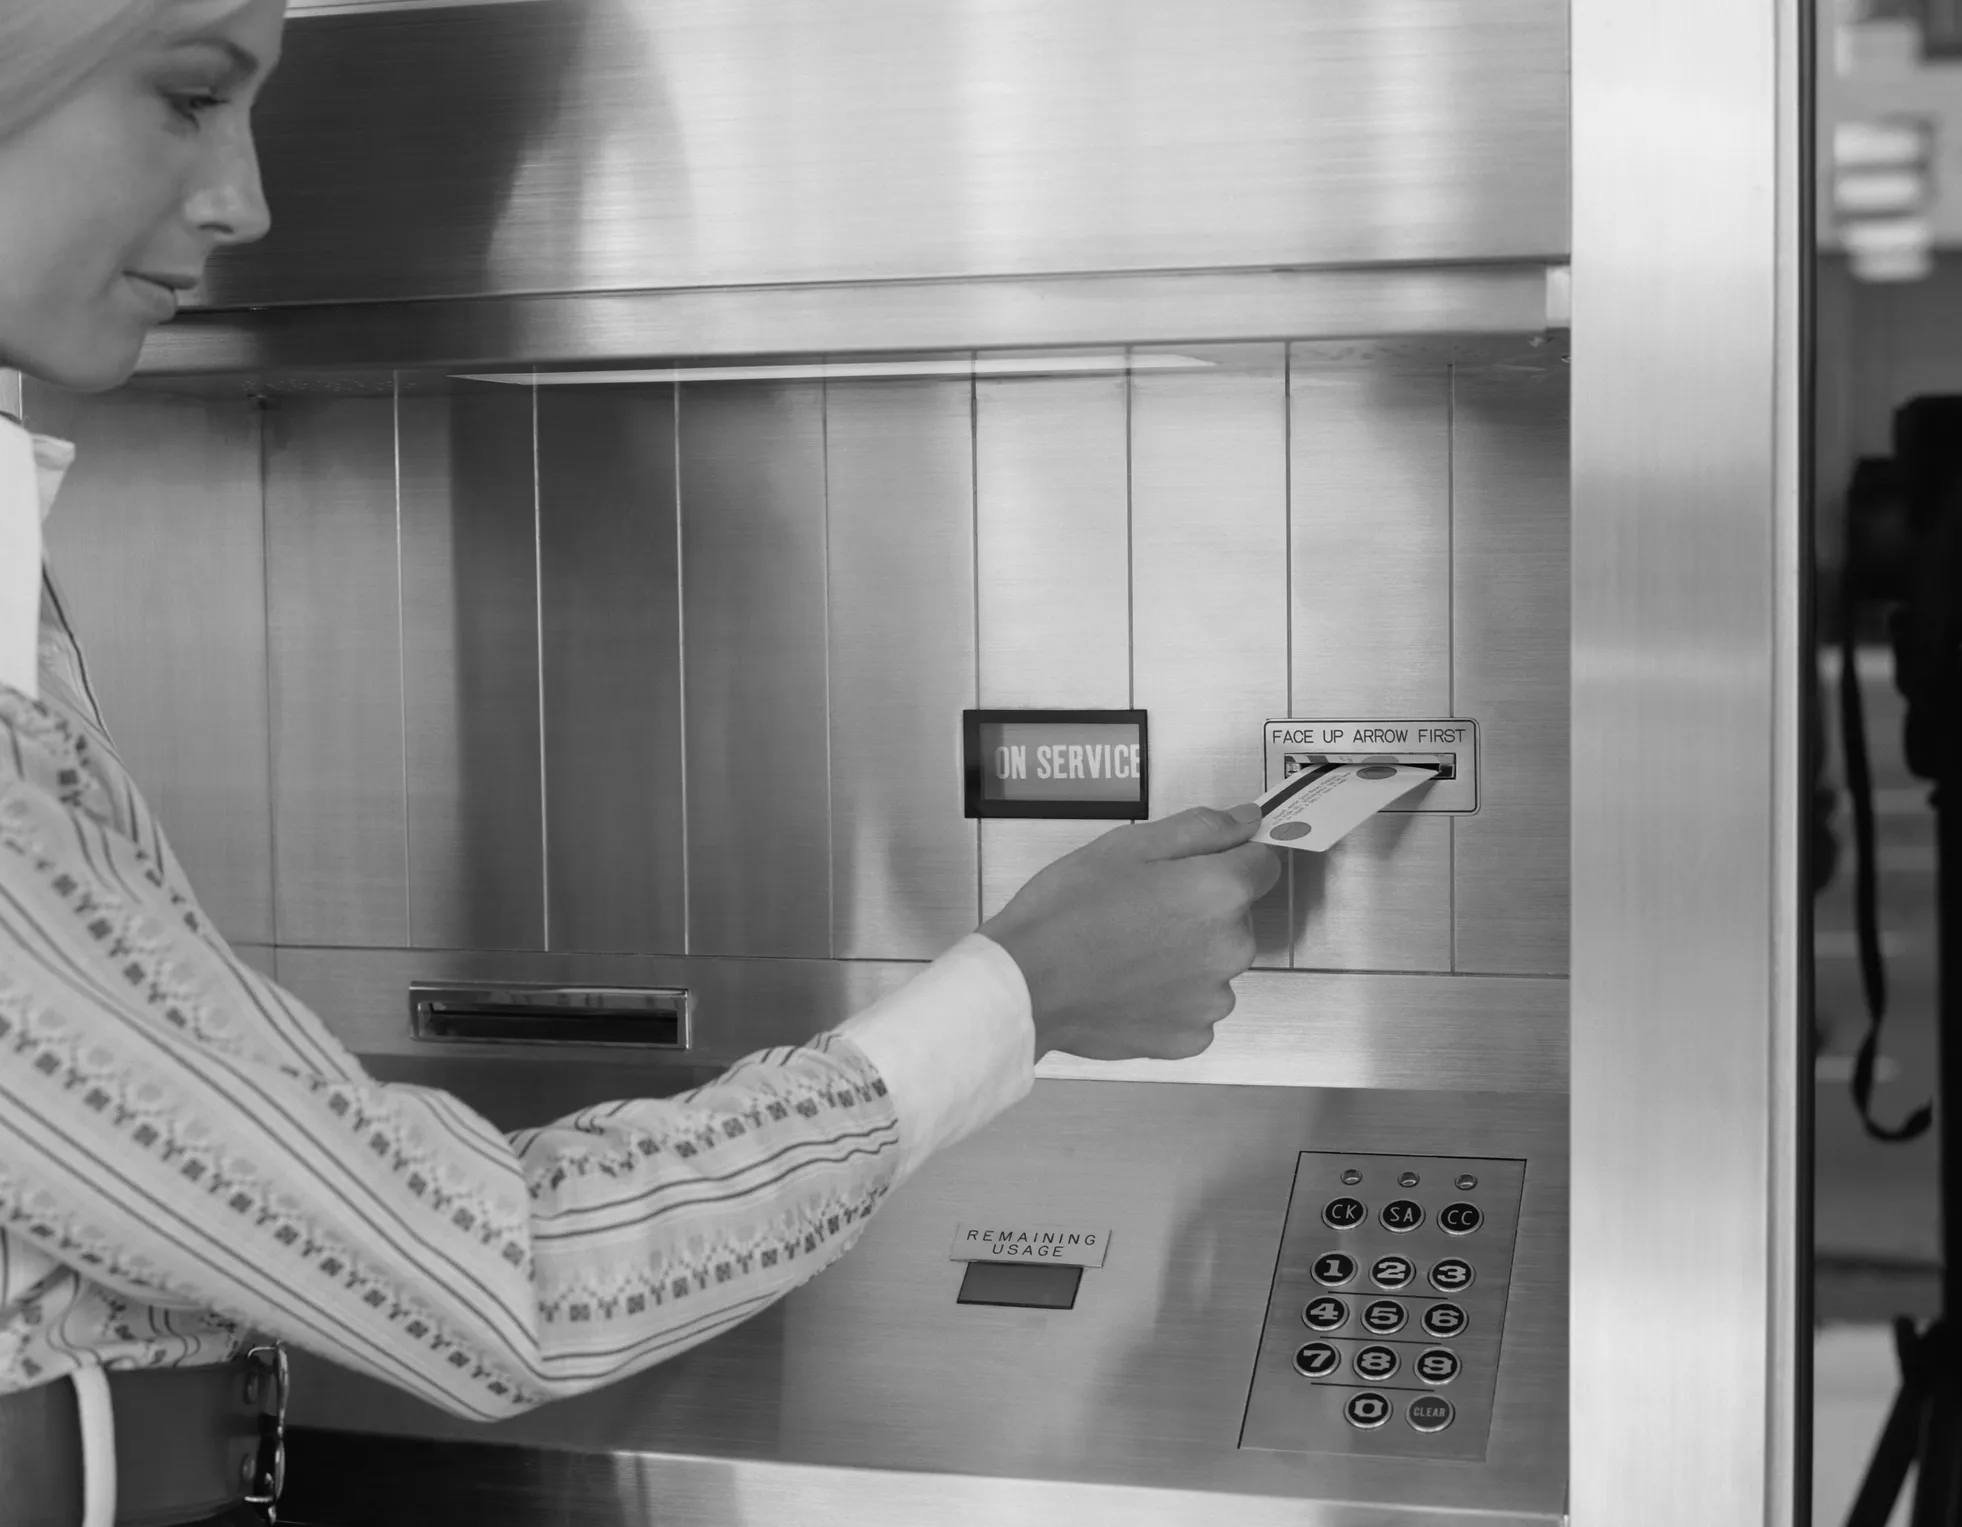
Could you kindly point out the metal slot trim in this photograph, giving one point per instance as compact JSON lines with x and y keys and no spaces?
{"x":619,"y":1017}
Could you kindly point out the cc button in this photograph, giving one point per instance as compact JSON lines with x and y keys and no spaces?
{"x":1461,"y":1219}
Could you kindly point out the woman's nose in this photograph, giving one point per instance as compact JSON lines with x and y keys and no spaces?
{"x":229,"y":205}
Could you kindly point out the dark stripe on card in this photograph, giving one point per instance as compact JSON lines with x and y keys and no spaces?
{"x":1296,"y":785}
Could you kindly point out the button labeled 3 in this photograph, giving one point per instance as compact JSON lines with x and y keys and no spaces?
{"x":1334,"y":1268}
{"x":1367,"y":1410}
{"x":1344,"y":1213}
{"x":1316,"y":1360}
{"x":1325,"y":1314}
{"x":1452,"y":1275}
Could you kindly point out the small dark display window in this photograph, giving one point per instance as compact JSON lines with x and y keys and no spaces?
{"x":1027,"y":1285}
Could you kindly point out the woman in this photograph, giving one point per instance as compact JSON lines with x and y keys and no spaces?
{"x":187,"y":1156}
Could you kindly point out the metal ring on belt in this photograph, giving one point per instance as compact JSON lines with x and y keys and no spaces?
{"x":190,"y":1443}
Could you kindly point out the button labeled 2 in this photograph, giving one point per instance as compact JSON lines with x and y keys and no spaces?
{"x":1392,"y":1272}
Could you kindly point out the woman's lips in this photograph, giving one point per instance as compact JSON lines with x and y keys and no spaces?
{"x":154,"y":295}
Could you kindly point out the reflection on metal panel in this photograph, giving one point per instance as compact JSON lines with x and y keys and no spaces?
{"x":736,"y":1006}
{"x":1209,"y":580}
{"x":470,"y":670}
{"x":899,"y":471}
{"x":752,"y":527}
{"x":1370,"y":554}
{"x":334,"y":632}
{"x":1141,"y":1387}
{"x":159,"y":550}
{"x":610,"y":601}
{"x":1509,"y":651}
{"x":1052,"y":548}
{"x":689,"y":143}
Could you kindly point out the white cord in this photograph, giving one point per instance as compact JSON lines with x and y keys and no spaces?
{"x":98,"y":1418}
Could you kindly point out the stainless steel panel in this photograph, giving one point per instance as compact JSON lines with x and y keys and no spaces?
{"x":340,"y":795}
{"x":1052,"y":564}
{"x":753,"y":611}
{"x":1143,"y":1385}
{"x":1687,"y":765}
{"x":736,"y":1006}
{"x":261,"y":957}
{"x":1291,"y":1028}
{"x":930,"y":315}
{"x":899,"y":485}
{"x":1209,"y":582}
{"x":471,"y":669}
{"x":158,"y":542}
{"x":610,"y":602}
{"x":1510,"y":621}
{"x":1370,"y":566}
{"x":677,"y":143}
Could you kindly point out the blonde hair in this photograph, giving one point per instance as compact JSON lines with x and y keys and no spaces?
{"x":48,"y":47}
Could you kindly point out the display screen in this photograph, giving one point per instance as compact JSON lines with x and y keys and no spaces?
{"x":1033,"y":763}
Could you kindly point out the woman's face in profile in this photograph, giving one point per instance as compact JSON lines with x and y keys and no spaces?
{"x":111,"y":203}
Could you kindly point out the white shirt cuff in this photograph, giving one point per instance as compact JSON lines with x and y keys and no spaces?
{"x":955,"y":1046}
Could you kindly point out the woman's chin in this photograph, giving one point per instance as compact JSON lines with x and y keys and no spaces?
{"x":100,"y":363}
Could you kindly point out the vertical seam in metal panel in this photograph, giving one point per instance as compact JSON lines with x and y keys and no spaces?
{"x":402,"y":664}
{"x":1287,"y":581}
{"x":830,"y":782}
{"x":266,"y":605}
{"x":1451,"y":634}
{"x":538,"y":634}
{"x":681,"y":673}
{"x":1130,"y":552}
{"x":974,"y":574}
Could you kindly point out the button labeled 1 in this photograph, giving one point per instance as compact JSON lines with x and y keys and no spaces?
{"x":1334,"y":1268}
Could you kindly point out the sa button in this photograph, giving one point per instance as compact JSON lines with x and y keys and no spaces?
{"x":1461,"y":1219}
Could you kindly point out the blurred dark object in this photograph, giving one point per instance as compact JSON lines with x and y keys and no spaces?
{"x":1940,"y":22}
{"x":1904,"y":556}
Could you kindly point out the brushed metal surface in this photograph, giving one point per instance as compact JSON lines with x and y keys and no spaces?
{"x":860,"y":316}
{"x":1144,"y":1383}
{"x":527,"y":148}
{"x":754,"y":697}
{"x":1370,"y":570}
{"x":1510,"y":622}
{"x":610,"y":605}
{"x":1291,"y":1028}
{"x":334,"y":633}
{"x":1686,"y":896}
{"x":158,"y":545}
{"x":899,"y":486}
{"x":470,"y":666}
{"x":1052,"y":565}
{"x":1209,"y":582}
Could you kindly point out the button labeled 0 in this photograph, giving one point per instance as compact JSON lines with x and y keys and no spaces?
{"x":1367,"y":1410}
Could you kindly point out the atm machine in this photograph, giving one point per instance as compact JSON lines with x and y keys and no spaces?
{"x":667,"y":447}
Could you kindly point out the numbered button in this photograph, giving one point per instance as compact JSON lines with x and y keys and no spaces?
{"x":1377,"y":1364}
{"x":1404,"y":1214}
{"x":1451,"y":1276}
{"x":1437,"y":1366}
{"x":1392,"y":1272}
{"x":1384,"y":1317}
{"x":1316,"y":1360}
{"x":1334,"y":1269}
{"x":1461,"y":1219}
{"x":1367,"y":1410}
{"x":1445,"y":1320}
{"x":1344,"y":1213}
{"x":1325,"y":1314}
{"x":1430,"y":1413}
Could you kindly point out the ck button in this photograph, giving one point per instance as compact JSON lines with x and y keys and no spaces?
{"x":1344,"y":1213}
{"x":1445,"y":1320}
{"x":1402,"y":1215}
{"x":1367,"y":1410}
{"x":1430,"y":1413}
{"x":1316,"y":1360}
{"x":1451,"y":1276}
{"x":1334,"y":1269}
{"x":1384,"y":1317}
{"x":1461,"y":1219}
{"x":1325,"y":1314}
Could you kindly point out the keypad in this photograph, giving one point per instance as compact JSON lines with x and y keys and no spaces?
{"x":1403,"y":1361}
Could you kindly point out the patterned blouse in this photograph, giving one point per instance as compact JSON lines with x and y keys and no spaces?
{"x":188,"y":1156}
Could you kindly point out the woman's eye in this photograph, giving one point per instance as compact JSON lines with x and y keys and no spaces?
{"x":191,"y":105}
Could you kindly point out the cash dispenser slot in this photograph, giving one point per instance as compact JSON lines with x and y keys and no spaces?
{"x":1446,"y":764}
{"x":495,"y":1013}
